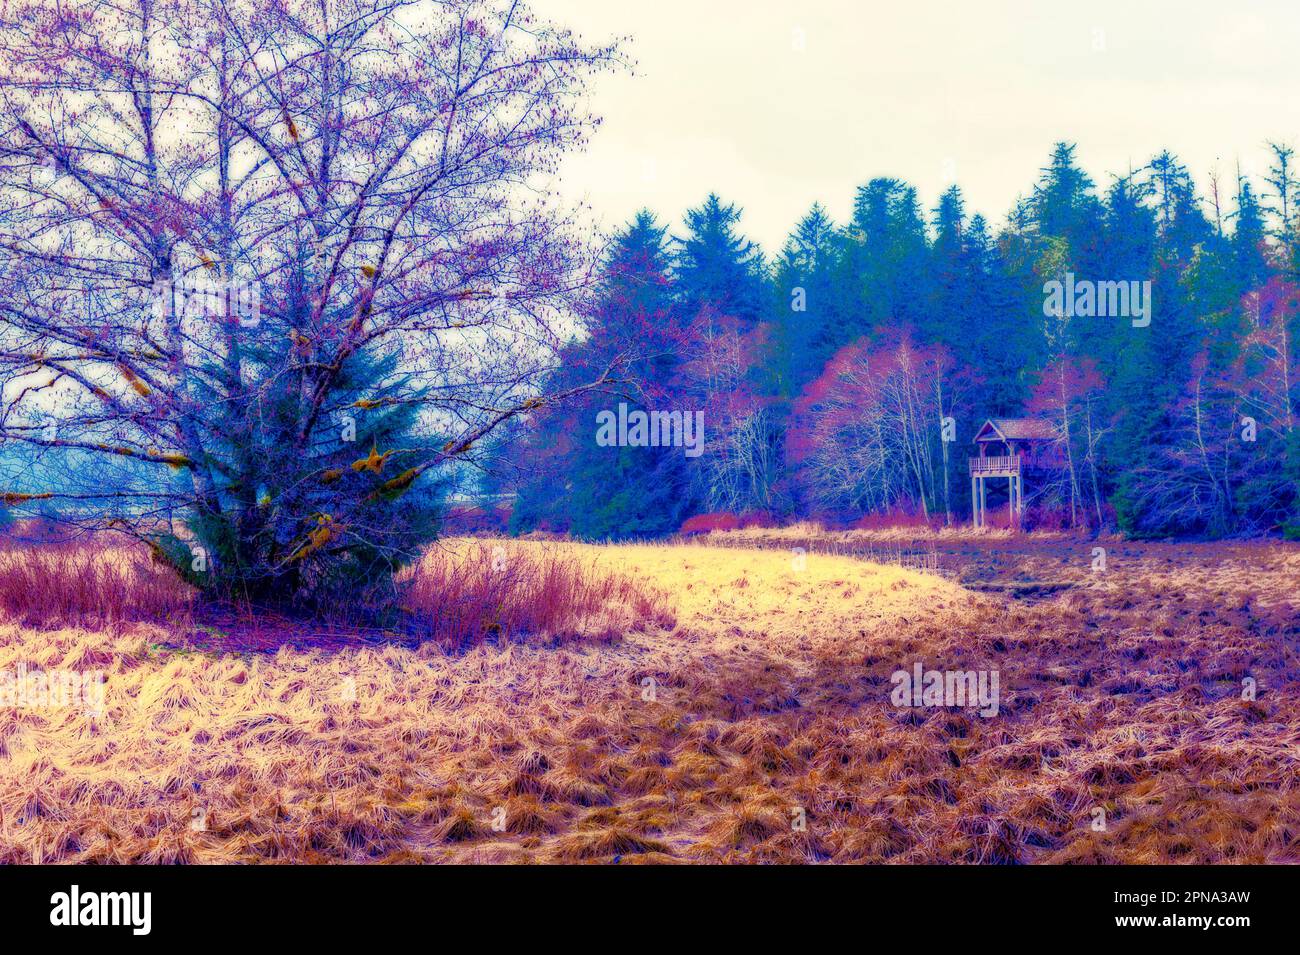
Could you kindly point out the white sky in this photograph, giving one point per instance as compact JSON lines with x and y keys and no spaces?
{"x":971,"y":90}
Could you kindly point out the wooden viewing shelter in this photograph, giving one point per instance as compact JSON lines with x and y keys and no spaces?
{"x":1023,"y":443}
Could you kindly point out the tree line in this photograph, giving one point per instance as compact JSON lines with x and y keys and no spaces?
{"x":830,"y":375}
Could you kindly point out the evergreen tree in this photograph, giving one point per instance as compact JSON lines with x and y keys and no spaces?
{"x":573,"y":484}
{"x":805,"y":300}
{"x":716,"y":267}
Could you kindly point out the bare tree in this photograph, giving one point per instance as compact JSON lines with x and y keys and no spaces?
{"x":235,"y":237}
{"x":1066,"y":393}
{"x":866,"y":434}
{"x":739,"y":465}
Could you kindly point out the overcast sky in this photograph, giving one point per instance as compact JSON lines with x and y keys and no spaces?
{"x":777,"y":104}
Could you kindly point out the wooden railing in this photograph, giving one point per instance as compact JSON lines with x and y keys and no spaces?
{"x":1008,"y":464}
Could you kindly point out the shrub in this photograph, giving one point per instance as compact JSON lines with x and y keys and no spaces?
{"x":705,"y":523}
{"x":897,"y":517}
{"x":458,"y":595}
{"x":474,"y":592}
{"x":89,"y":584}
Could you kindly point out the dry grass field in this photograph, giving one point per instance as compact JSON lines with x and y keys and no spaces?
{"x":705,"y":702}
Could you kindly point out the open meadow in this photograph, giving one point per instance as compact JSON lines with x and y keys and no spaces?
{"x":720,"y":700}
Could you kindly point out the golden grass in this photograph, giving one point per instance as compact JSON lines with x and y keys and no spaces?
{"x":700,"y":735}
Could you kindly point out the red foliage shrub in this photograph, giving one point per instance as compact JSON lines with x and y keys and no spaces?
{"x":898,"y":517}
{"x":724,"y":521}
{"x":704,"y":523}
